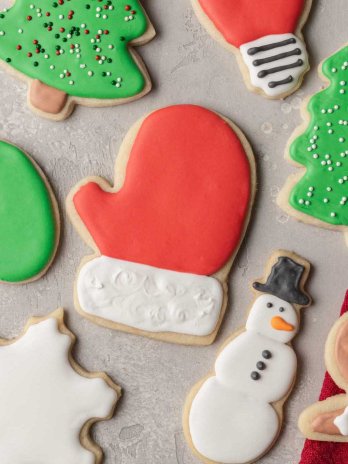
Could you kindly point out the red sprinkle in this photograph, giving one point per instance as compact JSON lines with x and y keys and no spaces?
{"x":86,"y":31}
{"x":97,"y":57}
{"x":106,"y":32}
{"x":35,"y":41}
{"x":29,"y":54}
{"x":127,"y":7}
{"x":29,"y":18}
{"x":19,"y":47}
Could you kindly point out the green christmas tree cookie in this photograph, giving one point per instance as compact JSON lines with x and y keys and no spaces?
{"x":320,"y":194}
{"x":76,"y":51}
{"x":29,"y":222}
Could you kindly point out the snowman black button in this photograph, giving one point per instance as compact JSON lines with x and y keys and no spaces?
{"x":261,"y":365}
{"x":266,"y":354}
{"x":255,"y":375}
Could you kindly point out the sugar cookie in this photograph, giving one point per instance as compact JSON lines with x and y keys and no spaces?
{"x":29,"y":218}
{"x":48,"y":402}
{"x":328,"y":420}
{"x":76,"y":52}
{"x":265,"y":37}
{"x":234,"y":416}
{"x":318,"y":194}
{"x":167,"y":233}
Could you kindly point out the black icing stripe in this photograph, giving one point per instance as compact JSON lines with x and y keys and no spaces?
{"x":274,"y":84}
{"x":280,"y":56}
{"x":271,"y":46}
{"x":277,"y":69}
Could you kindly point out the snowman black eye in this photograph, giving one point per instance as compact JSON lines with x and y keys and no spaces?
{"x":281,"y":309}
{"x":269,"y":305}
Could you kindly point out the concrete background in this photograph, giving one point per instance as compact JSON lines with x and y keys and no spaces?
{"x":187,"y":66}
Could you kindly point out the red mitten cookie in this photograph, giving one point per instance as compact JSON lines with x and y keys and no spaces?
{"x":167,"y":232}
{"x":266,"y":37}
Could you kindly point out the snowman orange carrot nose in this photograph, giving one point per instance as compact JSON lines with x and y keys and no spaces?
{"x":279,"y":323}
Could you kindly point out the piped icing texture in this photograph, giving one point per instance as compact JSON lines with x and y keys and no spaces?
{"x":148,"y":298}
{"x":185,"y":198}
{"x":244,"y":21}
{"x":27,"y":219}
{"x":77,"y":46}
{"x":276,"y":63}
{"x":322,"y":148}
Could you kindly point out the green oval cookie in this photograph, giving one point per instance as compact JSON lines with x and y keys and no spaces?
{"x":28,"y":230}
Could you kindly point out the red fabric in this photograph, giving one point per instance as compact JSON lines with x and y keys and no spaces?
{"x":320,"y":452}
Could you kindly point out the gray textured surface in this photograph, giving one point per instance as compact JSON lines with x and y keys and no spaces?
{"x":186,"y":66}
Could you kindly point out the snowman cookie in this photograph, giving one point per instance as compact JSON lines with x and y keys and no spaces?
{"x":48,"y":402}
{"x":328,"y":420}
{"x":29,"y":218}
{"x":166,"y":234}
{"x":76,"y":52}
{"x":265,"y":37}
{"x":235,"y":415}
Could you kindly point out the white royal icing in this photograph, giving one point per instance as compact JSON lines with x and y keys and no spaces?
{"x":236,"y":362}
{"x":231,"y":419}
{"x":149,"y":298}
{"x":229,"y":427}
{"x":296,"y":63}
{"x":341,"y":423}
{"x":261,"y":315}
{"x":44,"y":403}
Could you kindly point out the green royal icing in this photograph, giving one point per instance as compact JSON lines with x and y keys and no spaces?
{"x":89,"y":58}
{"x":323,"y":149}
{"x":27,"y":220}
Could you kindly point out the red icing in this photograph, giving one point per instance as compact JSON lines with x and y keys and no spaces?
{"x":185,"y":198}
{"x":242,"y":21}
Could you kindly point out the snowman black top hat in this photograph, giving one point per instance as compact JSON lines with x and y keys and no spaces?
{"x":284,"y":282}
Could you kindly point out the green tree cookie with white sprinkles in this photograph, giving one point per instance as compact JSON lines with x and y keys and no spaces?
{"x":320,"y":194}
{"x":76,"y":51}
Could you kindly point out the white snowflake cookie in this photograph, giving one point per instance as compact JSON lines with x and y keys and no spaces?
{"x":48,"y":402}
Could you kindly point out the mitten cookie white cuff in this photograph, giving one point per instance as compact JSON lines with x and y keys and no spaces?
{"x":149,"y":298}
